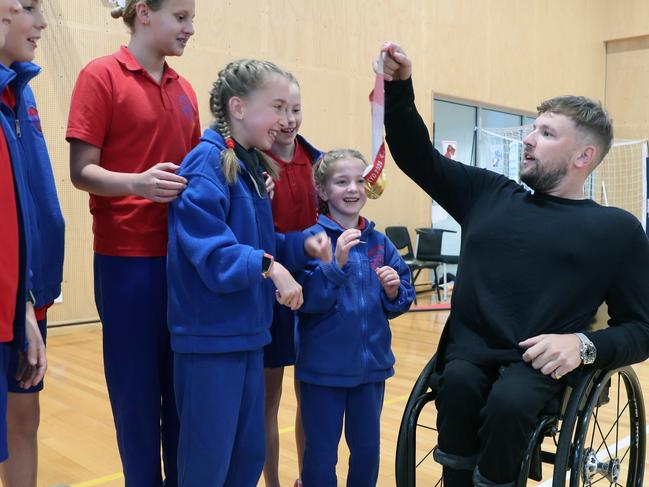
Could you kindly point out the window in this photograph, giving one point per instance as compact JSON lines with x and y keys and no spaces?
{"x":456,"y":124}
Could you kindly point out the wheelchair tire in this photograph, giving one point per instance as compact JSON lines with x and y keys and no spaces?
{"x":420,"y":395}
{"x":609,"y":441}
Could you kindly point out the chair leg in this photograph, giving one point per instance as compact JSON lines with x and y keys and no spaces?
{"x":413,"y":278}
{"x":445,"y":282}
{"x":439,"y":297}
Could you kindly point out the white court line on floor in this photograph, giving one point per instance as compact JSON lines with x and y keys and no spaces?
{"x":623,"y":443}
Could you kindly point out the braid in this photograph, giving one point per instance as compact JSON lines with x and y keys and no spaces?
{"x":238,"y":78}
{"x":229,"y":158}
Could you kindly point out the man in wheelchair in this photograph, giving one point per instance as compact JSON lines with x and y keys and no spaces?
{"x":534,"y":268}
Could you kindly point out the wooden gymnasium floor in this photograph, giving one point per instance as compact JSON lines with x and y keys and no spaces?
{"x":77,"y":439}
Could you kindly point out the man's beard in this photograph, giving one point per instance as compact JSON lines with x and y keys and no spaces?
{"x":543,"y":180}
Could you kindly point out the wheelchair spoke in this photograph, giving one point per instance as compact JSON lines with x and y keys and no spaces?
{"x":592,"y":436}
{"x":589,"y":483}
{"x":617,"y":421}
{"x":429,"y":428}
{"x":625,"y":454}
{"x":605,"y":437}
{"x":425,"y":457}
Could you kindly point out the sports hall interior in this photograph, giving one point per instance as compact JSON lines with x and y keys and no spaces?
{"x":502,"y":55}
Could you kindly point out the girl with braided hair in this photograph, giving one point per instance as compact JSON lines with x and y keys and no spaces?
{"x":132,"y":120}
{"x":222,"y":251}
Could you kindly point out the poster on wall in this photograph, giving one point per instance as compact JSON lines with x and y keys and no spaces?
{"x":496,"y":159}
{"x":449,"y":148}
{"x":515,"y":157}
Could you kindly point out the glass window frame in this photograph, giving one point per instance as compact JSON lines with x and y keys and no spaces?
{"x":479,"y":108}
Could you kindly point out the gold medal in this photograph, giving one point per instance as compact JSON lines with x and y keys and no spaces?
{"x":374,"y":191}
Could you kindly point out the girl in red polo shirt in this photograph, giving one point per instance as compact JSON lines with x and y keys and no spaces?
{"x":132,"y":120}
{"x":294,"y":209}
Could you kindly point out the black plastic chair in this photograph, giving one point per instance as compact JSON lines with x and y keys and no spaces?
{"x":401,"y":240}
{"x":429,"y":248}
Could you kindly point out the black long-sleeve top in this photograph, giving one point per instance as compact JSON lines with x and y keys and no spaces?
{"x":529,"y":263}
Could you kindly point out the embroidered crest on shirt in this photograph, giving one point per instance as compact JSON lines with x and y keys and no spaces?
{"x":34,"y":119}
{"x":375,"y":255}
{"x":186,"y":107}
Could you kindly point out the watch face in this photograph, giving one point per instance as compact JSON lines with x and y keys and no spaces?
{"x":589,"y":354}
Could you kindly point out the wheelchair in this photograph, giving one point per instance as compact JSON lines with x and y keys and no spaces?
{"x":594,"y":431}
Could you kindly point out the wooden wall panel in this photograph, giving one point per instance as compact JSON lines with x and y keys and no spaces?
{"x":509,"y":53}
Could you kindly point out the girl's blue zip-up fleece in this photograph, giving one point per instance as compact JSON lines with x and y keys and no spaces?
{"x":24,"y":218}
{"x":344,"y":333}
{"x":47,"y":231}
{"x":218,"y":300}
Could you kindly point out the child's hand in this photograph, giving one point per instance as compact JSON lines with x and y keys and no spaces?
{"x":348,"y":239}
{"x":289,"y":292}
{"x":32,"y":364}
{"x":270,"y":185}
{"x":318,"y":246}
{"x":389,"y":280}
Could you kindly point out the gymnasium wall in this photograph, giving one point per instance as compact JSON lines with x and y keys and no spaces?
{"x":626,"y":36}
{"x":509,"y":53}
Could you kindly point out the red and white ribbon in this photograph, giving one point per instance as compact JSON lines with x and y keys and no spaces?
{"x":377,"y":100}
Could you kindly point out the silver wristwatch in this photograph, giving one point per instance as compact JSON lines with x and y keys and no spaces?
{"x":587,"y":350}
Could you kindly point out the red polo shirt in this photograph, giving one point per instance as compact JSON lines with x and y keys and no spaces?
{"x":9,"y":256}
{"x":117,"y":106}
{"x":295,"y":204}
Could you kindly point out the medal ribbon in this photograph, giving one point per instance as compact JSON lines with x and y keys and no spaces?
{"x":377,"y":101}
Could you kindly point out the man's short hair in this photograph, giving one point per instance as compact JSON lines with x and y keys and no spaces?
{"x":589,"y":116}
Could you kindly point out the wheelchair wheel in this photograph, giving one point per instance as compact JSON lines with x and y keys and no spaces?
{"x":418,"y":434}
{"x":608,"y":446}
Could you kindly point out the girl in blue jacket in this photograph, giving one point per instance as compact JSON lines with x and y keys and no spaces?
{"x":46,"y":231}
{"x":17,"y":319}
{"x":224,"y":274}
{"x":344,"y":353}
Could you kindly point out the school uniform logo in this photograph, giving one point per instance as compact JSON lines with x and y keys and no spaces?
{"x":34,"y":119}
{"x":376,"y":256}
{"x":186,"y":108}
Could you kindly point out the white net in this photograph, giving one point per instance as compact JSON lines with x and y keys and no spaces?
{"x":501,"y":149}
{"x":620,"y":180}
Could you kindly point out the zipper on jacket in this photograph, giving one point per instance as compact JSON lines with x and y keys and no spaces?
{"x":363,"y":312}
{"x":18,"y":133}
